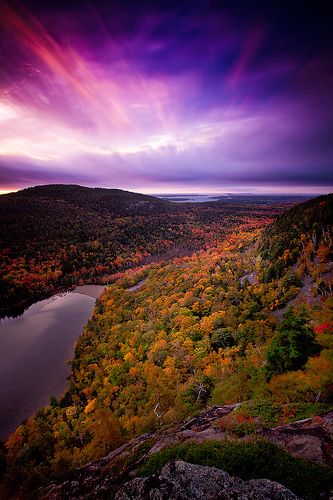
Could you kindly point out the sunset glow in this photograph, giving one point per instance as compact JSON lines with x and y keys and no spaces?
{"x":167,"y":99}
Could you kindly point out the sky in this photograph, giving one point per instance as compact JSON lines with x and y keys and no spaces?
{"x":166,"y":97}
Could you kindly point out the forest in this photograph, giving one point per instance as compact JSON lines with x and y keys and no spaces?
{"x":247,"y":317}
{"x":55,"y":237}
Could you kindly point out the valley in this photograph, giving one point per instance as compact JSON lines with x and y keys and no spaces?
{"x":226,"y":323}
{"x":166,"y":250}
{"x":56,"y":237}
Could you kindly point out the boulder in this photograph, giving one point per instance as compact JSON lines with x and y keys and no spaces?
{"x":180,"y":480}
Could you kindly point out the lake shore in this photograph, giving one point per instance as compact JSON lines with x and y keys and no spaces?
{"x":93,"y":291}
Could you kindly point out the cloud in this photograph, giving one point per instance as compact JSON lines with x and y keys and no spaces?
{"x":191,"y":94}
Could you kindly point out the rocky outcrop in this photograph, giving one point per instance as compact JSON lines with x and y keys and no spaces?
{"x":200,"y":428}
{"x":181,"y":480}
{"x":310,"y":439}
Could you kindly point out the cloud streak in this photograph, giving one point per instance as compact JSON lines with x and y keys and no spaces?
{"x":189,"y":96}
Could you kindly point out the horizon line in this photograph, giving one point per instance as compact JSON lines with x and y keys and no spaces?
{"x":246,"y":191}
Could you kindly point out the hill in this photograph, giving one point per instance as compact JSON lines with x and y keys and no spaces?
{"x":207,"y":329}
{"x":301,"y":240}
{"x":57,"y":236}
{"x":114,"y":202}
{"x":53,"y":237}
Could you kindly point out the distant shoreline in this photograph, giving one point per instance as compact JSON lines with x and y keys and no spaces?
{"x":208,"y":198}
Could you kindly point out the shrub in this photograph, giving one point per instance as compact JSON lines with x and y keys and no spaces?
{"x":265,"y":410}
{"x":238,"y":423}
{"x":249,"y":460}
{"x":232,"y":389}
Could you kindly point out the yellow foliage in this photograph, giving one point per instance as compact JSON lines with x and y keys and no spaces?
{"x":133,"y":371}
{"x":207,"y":323}
{"x":209,"y":370}
{"x":130,"y":358}
{"x":71,"y":411}
{"x":90,"y":406}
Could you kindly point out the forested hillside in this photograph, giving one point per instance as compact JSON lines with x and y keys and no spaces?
{"x":97,"y":200}
{"x":54,"y":237}
{"x":213,"y":328}
{"x":302,"y":238}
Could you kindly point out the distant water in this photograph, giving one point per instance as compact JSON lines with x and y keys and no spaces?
{"x":239,"y":198}
{"x":188,"y":198}
{"x":34,"y":352}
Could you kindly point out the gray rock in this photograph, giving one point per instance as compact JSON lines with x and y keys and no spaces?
{"x":180,"y":480}
{"x":271,"y":489}
{"x":310,"y":438}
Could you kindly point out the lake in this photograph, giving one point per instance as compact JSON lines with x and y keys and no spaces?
{"x":34,"y":352}
{"x":188,"y":198}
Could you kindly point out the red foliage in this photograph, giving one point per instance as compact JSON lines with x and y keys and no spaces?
{"x":324,"y":327}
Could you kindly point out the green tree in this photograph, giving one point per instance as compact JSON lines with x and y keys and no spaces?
{"x":292,"y":345}
{"x":222,"y":338}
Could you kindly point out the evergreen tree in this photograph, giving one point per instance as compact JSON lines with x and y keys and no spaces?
{"x":292,"y":345}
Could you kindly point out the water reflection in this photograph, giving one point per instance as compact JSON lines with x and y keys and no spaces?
{"x":34,"y":350}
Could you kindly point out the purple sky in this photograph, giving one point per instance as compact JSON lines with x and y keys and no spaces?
{"x":182,"y":96}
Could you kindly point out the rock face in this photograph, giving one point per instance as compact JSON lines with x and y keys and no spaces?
{"x":310,"y":438}
{"x":181,"y":480}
